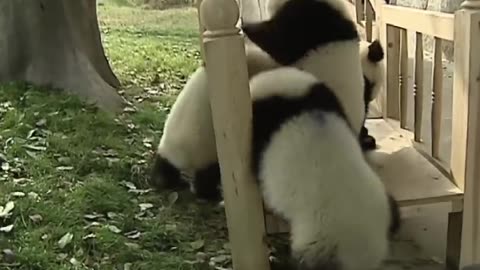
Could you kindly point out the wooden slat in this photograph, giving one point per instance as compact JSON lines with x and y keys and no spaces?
{"x":465,"y":157}
{"x":437,"y":97}
{"x":201,"y":29}
{"x":427,"y":22}
{"x":393,"y":61}
{"x":403,"y":77}
{"x":418,"y":87}
{"x":369,"y":16}
{"x":359,"y":10}
{"x":231,"y":114}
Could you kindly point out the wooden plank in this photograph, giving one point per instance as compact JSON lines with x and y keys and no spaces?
{"x":411,"y":178}
{"x":232,"y":113}
{"x":359,"y":10}
{"x":465,"y":158}
{"x":403,"y":77}
{"x":201,"y":29}
{"x":431,"y":23}
{"x":381,"y":100}
{"x":393,"y":72}
{"x":418,"y":88}
{"x":369,"y":16}
{"x":437,"y":98}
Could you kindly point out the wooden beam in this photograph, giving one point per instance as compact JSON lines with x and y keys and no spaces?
{"x":431,"y":23}
{"x":232,"y":113}
{"x":465,"y":159}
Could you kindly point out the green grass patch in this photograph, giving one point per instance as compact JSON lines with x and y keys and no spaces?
{"x":77,"y":176}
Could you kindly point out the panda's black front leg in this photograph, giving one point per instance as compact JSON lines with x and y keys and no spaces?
{"x":367,"y":142}
{"x":207,"y":183}
{"x":165,"y":175}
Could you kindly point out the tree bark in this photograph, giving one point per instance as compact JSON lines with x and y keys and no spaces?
{"x":57,"y":43}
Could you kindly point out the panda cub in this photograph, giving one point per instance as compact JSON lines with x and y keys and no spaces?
{"x":298,"y":34}
{"x":187,"y":145}
{"x":312,"y":172}
{"x":320,"y":37}
{"x":373,"y":68}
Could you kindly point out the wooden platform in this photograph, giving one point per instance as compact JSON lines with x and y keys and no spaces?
{"x":408,"y":175}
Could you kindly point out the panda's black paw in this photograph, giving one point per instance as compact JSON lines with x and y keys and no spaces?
{"x":207,"y":183}
{"x":368,"y":143}
{"x":165,"y":175}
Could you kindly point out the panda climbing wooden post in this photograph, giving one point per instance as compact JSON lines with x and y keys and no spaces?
{"x":232,"y":112}
{"x":465,"y":158}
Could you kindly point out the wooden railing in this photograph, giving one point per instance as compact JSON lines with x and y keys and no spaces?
{"x":225,"y":61}
{"x":397,"y":21}
{"x":393,"y":24}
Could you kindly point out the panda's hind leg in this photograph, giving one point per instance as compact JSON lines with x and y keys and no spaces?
{"x":395,"y":218}
{"x":367,"y":141}
{"x":206,"y":183}
{"x":165,"y":175}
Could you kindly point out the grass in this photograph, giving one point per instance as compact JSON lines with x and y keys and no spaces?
{"x":77,"y":176}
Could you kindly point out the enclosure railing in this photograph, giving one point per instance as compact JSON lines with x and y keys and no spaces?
{"x":393,"y":24}
{"x":225,"y":60}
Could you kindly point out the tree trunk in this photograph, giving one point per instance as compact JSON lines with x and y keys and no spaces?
{"x":57,"y":43}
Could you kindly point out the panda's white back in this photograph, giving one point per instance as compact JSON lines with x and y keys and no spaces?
{"x":335,"y":65}
{"x":373,"y":71}
{"x":313,"y":172}
{"x":313,"y":175}
{"x":188,"y":140}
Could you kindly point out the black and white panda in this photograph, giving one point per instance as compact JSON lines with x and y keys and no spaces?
{"x":300,"y":35}
{"x":313,"y":173}
{"x":187,"y":145}
{"x":373,"y":68}
{"x":318,"y":36}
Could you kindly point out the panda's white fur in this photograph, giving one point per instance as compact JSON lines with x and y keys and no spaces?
{"x":372,"y":59}
{"x":187,"y":145}
{"x":313,"y":173}
{"x":189,"y":126}
{"x":327,"y":60}
{"x":373,"y":69}
{"x":333,"y":60}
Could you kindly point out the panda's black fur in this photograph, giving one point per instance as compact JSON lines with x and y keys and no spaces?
{"x":372,"y":56}
{"x":318,"y":36}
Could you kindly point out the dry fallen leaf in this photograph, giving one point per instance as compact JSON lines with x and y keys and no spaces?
{"x":6,"y":229}
{"x":172,"y":198}
{"x":5,"y":211}
{"x":65,"y":240}
{"x":18,"y":194}
{"x":89,"y":236}
{"x":36,"y":218}
{"x":197,"y":244}
{"x":114,"y":229}
{"x":8,"y":256}
{"x":145,"y":206}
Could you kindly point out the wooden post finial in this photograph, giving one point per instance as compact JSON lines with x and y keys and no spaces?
{"x":219,"y":17}
{"x":471,"y":4}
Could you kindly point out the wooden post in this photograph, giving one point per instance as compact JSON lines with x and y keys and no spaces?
{"x":201,"y":27}
{"x":360,"y":10}
{"x":232,"y":112}
{"x":465,"y":160}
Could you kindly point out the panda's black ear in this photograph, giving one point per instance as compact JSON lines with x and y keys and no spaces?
{"x":375,"y":51}
{"x":263,"y":35}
